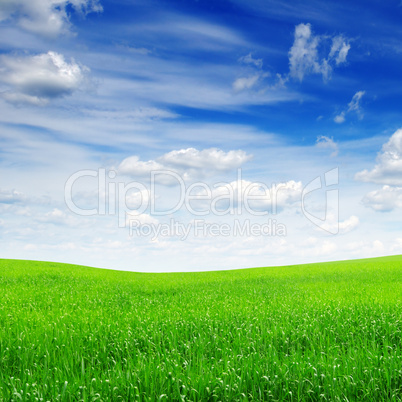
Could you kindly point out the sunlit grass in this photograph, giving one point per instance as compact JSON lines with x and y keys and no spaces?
{"x":310,"y":332}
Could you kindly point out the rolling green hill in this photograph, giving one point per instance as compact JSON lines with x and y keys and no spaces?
{"x":330,"y":331}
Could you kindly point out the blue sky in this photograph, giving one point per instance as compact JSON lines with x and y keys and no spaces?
{"x":260,"y":95}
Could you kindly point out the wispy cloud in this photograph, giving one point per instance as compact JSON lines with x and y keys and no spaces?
{"x":136,"y":114}
{"x":249,"y":59}
{"x":188,"y":31}
{"x":253,"y":76}
{"x":243,"y":83}
{"x":353,"y":106}
{"x":306,"y":56}
{"x":339,"y":49}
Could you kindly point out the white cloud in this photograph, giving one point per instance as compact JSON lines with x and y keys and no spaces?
{"x":153,"y":80}
{"x":37,"y":79}
{"x":353,"y":106}
{"x":332,"y":225}
{"x":207,"y":159}
{"x":314,"y":246}
{"x":340,"y":118}
{"x":58,"y":217}
{"x":258,"y":196}
{"x":188,"y":163}
{"x":45,"y":17}
{"x":195,"y":32}
{"x":386,"y":199}
{"x":136,"y":199}
{"x":388,"y":169}
{"x":254,"y":75}
{"x":348,"y":224}
{"x":141,"y":113}
{"x":248,"y":59}
{"x":366,"y":248}
{"x":11,"y":196}
{"x":243,"y":83}
{"x":327,"y":143}
{"x":397,"y":246}
{"x":133,"y":218}
{"x":304,"y":57}
{"x":325,"y":248}
{"x":137,"y":50}
{"x":133,"y":166}
{"x":339,"y":49}
{"x":19,"y":98}
{"x":69,"y":246}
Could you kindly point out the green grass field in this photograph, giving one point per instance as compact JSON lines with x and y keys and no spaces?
{"x":310,"y":332}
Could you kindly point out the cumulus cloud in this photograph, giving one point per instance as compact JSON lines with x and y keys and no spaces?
{"x":45,"y":17}
{"x":353,"y":106}
{"x":187,"y":163}
{"x":386,"y":199}
{"x":388,"y":169}
{"x":38,"y":79}
{"x":258,"y":197}
{"x":212,"y":158}
{"x":133,"y":166}
{"x":305,"y":55}
{"x":324,"y":142}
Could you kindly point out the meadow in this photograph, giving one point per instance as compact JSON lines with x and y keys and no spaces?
{"x":330,"y":332}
